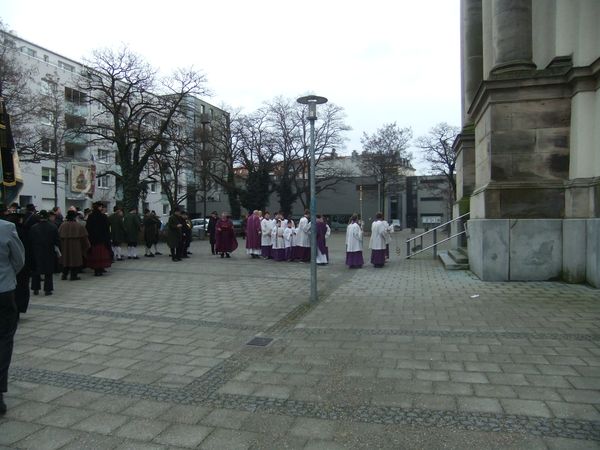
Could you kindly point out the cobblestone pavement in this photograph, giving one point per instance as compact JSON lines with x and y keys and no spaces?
{"x":154,"y":355}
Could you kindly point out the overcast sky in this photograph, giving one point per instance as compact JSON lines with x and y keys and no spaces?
{"x":382,"y":60}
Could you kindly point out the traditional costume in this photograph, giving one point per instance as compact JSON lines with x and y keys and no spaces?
{"x":44,"y":245}
{"x":377,"y":243}
{"x":152,"y":226}
{"x":74,"y":245}
{"x":323,"y":232}
{"x":132,"y":225}
{"x":354,"y":245}
{"x":98,"y":229}
{"x":174,"y":236}
{"x":117,"y":233}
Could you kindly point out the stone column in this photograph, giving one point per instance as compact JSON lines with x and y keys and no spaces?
{"x":511,"y":35}
{"x":471,"y":46}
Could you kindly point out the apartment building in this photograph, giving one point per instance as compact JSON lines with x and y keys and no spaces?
{"x":82,"y":169}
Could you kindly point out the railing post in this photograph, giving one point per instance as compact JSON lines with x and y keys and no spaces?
{"x":434,"y":243}
{"x":421,"y":241}
{"x":408,"y":248}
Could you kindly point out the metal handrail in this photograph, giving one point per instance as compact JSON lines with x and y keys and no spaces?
{"x":435,"y":241}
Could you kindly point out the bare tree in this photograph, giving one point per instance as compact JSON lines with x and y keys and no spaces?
{"x":437,"y":150}
{"x":15,"y":82}
{"x":385,"y":154}
{"x":290,"y":131}
{"x":134,"y":108}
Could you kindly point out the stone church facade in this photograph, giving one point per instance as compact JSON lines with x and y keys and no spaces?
{"x":529,"y":151}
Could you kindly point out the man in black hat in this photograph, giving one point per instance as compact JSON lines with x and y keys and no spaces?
{"x":44,"y":244}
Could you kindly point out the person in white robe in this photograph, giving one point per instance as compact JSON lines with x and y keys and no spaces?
{"x":302,"y":242}
{"x":288,"y":237}
{"x":266,"y":240}
{"x":354,"y":244}
{"x":377,"y":242}
{"x":389,"y":229}
{"x":278,"y":249}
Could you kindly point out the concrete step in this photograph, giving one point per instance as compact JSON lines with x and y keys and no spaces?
{"x":458,"y":256}
{"x":463,"y":250}
{"x":449,"y":262}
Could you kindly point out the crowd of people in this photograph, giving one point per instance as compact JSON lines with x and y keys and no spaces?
{"x":281,"y":239}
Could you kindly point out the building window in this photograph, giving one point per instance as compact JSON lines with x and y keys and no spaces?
{"x":153,"y":187}
{"x":66,"y":66}
{"x":46,"y":58}
{"x":48,"y":175}
{"x":74,"y":122}
{"x":29,"y":51}
{"x":48,"y":146}
{"x":102,"y":182}
{"x":432,"y":199}
{"x":71,"y":149}
{"x":103,"y":155}
{"x":75,"y":96}
{"x":165,"y":209}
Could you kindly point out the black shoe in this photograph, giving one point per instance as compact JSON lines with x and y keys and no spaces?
{"x":98,"y":274}
{"x":151,"y":255}
{"x":189,"y":253}
{"x":36,"y":292}
{"x":222,"y":255}
{"x":148,"y":256}
{"x":48,"y":293}
{"x":227,"y":255}
{"x":157,"y":253}
{"x":135,"y":257}
{"x":129,"y":257}
{"x":64,"y":277}
{"x":2,"y":406}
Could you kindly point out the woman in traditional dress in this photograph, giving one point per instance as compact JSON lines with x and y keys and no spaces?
{"x":98,"y":228}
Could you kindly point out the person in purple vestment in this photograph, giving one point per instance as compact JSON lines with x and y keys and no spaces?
{"x":253,"y":247}
{"x":226,"y":241}
{"x":322,"y":234}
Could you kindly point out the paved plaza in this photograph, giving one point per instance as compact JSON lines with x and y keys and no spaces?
{"x":154,"y":355}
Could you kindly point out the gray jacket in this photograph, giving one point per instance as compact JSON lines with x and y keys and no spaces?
{"x":12,"y":256}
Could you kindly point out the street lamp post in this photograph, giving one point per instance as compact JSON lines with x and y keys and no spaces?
{"x":312,"y":101}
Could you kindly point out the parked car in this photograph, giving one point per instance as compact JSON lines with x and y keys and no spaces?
{"x":199,"y":227}
{"x":237,"y":227}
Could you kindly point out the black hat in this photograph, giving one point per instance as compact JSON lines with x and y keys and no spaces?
{"x":43,"y":214}
{"x":71,"y":215}
{"x":30,"y":207}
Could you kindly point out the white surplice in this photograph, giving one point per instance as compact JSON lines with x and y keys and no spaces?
{"x":354,"y":238}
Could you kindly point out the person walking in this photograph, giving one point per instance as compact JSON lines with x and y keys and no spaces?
{"x":44,"y":245}
{"x":132,"y":225}
{"x":151,"y":229}
{"x":226,"y":241}
{"x":99,"y":256}
{"x":12,"y":260}
{"x":174,"y":234}
{"x":74,"y":245}
{"x":117,"y":232}
{"x":211,"y":229}
{"x":354,"y":244}
{"x":378,"y":239}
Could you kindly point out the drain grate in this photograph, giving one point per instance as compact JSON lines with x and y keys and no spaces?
{"x":260,"y":341}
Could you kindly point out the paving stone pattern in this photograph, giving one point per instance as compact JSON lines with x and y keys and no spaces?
{"x":154,"y":355}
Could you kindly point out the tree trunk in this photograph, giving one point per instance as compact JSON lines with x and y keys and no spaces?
{"x":131,"y":190}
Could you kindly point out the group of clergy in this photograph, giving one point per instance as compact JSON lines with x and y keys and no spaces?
{"x":281,"y":239}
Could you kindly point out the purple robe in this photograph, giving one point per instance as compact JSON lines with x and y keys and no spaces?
{"x":253,"y":233}
{"x":321,"y":231}
{"x":226,"y":241}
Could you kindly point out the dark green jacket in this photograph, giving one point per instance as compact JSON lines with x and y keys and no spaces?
{"x":132,"y":224}
{"x":174,"y":233}
{"x":117,"y":230}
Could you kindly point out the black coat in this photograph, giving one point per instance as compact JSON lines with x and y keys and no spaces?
{"x":211,"y":228}
{"x":98,"y":228}
{"x":44,"y":238}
